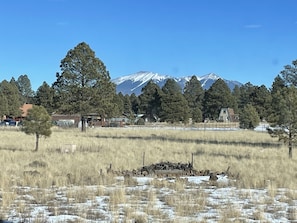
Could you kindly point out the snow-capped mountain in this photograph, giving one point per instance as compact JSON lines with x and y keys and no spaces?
{"x":135,"y":82}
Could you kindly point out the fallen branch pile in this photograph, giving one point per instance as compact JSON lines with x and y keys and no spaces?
{"x":167,"y":169}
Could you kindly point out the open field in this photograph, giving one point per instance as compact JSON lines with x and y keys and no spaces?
{"x":50,"y":186}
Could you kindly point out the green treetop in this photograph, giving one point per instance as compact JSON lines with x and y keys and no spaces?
{"x":38,"y":123}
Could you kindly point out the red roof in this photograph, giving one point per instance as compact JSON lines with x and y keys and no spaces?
{"x":25,"y":109}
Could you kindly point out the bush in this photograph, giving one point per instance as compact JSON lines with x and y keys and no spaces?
{"x":140,"y":121}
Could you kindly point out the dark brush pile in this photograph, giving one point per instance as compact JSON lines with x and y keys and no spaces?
{"x":164,"y":168}
{"x":168,"y":169}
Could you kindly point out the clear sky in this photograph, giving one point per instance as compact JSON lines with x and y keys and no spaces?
{"x":243,"y":40}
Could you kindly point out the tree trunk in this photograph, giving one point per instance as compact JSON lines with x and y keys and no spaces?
{"x":36,"y":143}
{"x":83,"y":124}
{"x":290,"y":145}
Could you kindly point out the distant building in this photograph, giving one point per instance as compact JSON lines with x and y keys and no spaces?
{"x":66,"y":120}
{"x":228,"y":115}
{"x":25,"y":109}
{"x":92,"y":120}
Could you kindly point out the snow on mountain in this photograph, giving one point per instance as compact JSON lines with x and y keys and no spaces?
{"x":135,"y":82}
{"x":142,"y":77}
{"x":209,"y":76}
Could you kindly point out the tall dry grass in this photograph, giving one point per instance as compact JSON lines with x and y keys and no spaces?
{"x":252,"y":157}
{"x":254,"y":160}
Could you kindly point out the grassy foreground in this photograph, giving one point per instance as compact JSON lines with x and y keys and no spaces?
{"x":77,"y":185}
{"x":254,"y":157}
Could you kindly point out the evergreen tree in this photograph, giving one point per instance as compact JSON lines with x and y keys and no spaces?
{"x":236,"y":95}
{"x":284,"y":95}
{"x":174,"y":106}
{"x":246,"y":92}
{"x":289,"y":74}
{"x":194,"y":94}
{"x":25,"y":89}
{"x":249,"y":117}
{"x":150,"y":101}
{"x":135,"y":103}
{"x":111,"y":109}
{"x":11,"y":92}
{"x":277,"y":101}
{"x":278,"y":84}
{"x":38,"y":123}
{"x":286,"y":126}
{"x":128,"y":108}
{"x":119,"y":101}
{"x":171,"y":87}
{"x":45,"y":97}
{"x":13,"y":82}
{"x":261,"y":101}
{"x":84,"y":86}
{"x":3,"y":106}
{"x":216,"y":97}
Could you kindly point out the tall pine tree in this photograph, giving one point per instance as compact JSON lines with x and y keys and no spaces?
{"x":277,"y":100}
{"x":24,"y":85}
{"x":45,"y":97}
{"x":3,"y":106}
{"x":218,"y":96}
{"x":134,"y":103}
{"x":174,"y":106}
{"x":84,"y":86}
{"x":11,"y":92}
{"x":261,"y":101}
{"x":194,"y":94}
{"x":284,"y":93}
{"x":150,"y":101}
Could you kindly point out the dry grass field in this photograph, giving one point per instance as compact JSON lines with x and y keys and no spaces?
{"x":50,"y":186}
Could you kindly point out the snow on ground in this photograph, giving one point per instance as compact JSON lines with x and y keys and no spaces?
{"x":262,"y":127}
{"x":185,"y":199}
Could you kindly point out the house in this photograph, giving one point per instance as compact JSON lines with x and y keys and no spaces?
{"x":228,"y":115}
{"x":66,"y":120}
{"x":25,"y":109}
{"x":74,"y":120}
{"x":16,"y":120}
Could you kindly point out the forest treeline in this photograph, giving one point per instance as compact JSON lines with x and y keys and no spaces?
{"x":84,"y":86}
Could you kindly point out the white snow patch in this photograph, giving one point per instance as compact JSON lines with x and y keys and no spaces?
{"x":218,"y":197}
{"x":262,"y":127}
{"x":141,"y":77}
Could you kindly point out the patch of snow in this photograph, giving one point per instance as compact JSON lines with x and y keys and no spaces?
{"x":211,"y":76}
{"x":141,"y":77}
{"x":144,"y":180}
{"x":262,"y":127}
{"x":219,"y":197}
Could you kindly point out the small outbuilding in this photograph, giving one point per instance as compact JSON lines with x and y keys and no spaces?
{"x":228,"y":115}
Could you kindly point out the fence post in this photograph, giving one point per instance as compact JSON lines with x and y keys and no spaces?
{"x":143,"y":156}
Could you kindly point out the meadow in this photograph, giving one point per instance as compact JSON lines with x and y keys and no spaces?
{"x":50,"y":186}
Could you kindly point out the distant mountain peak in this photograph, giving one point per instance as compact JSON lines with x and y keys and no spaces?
{"x":134,"y":83}
{"x":212,"y":76}
{"x":141,"y":76}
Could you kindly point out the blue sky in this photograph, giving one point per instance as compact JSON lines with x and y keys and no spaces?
{"x":243,"y":40}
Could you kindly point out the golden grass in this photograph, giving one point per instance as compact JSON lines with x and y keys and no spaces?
{"x":128,"y":148}
{"x":254,"y":160}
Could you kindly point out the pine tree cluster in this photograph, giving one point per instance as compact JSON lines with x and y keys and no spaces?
{"x":84,"y":86}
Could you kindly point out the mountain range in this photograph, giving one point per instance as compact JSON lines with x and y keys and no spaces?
{"x":134,"y":83}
